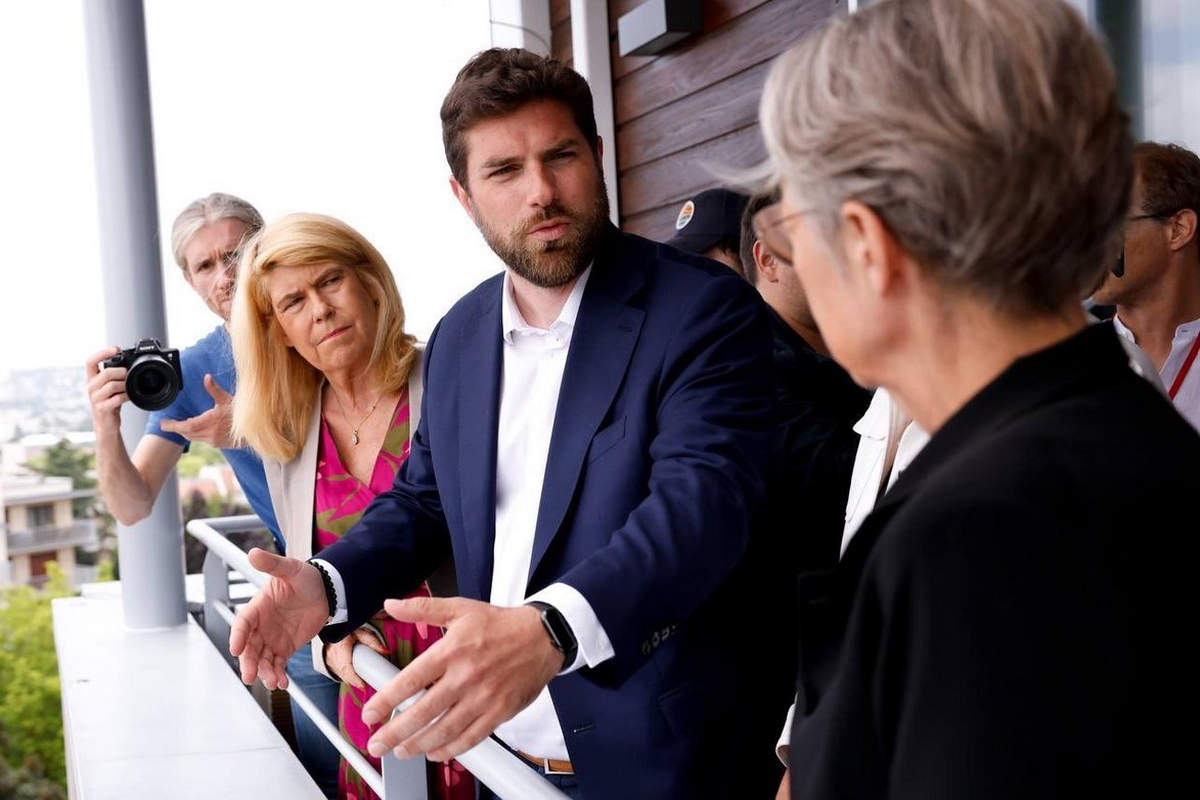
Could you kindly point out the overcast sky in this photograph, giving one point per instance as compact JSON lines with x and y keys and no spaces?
{"x":296,"y":106}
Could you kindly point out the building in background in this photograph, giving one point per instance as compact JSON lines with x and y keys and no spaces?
{"x":39,"y":526}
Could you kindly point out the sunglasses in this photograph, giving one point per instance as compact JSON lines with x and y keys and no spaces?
{"x":1119,"y":269}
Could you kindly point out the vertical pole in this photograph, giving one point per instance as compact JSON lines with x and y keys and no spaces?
{"x":151,"y":552}
{"x":1121,"y":23}
{"x":590,"y":51}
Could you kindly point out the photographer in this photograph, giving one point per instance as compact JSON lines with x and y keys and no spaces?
{"x":206,"y":239}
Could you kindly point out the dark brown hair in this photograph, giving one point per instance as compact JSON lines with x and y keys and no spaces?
{"x":499,"y":81}
{"x":1170,"y":177}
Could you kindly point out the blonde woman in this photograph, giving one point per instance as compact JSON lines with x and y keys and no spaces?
{"x":329,"y":396}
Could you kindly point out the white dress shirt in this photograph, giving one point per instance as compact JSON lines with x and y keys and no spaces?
{"x":1187,"y":399}
{"x":534,"y":360}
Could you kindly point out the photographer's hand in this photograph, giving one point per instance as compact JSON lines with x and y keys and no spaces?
{"x":129,"y":485}
{"x":106,"y":392}
{"x":213,"y":426}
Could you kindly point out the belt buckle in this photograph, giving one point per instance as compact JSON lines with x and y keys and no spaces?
{"x":549,"y":771}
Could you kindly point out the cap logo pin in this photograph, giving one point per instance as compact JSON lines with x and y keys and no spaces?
{"x":685,"y":215}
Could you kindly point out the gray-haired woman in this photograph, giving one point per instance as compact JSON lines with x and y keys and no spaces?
{"x":955,"y":175}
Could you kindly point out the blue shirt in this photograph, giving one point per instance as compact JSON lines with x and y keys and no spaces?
{"x":214,"y":355}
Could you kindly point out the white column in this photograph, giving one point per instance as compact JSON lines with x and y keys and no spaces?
{"x":589,"y":44}
{"x":151,"y":552}
{"x":521,"y":23}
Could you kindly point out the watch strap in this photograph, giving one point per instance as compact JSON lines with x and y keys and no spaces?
{"x":559,"y":631}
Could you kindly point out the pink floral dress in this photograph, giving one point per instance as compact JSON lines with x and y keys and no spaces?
{"x":339,"y":502}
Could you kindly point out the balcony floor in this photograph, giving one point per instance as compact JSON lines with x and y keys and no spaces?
{"x":159,"y":713}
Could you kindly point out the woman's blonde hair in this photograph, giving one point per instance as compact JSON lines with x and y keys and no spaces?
{"x":276,"y":387}
{"x":986,"y":135}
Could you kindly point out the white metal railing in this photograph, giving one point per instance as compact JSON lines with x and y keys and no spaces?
{"x":488,"y":761}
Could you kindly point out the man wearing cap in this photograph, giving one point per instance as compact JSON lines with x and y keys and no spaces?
{"x":709,"y":225}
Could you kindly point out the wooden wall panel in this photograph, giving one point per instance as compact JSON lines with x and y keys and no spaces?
{"x":694,"y":107}
{"x":661,"y":182}
{"x":686,"y":114}
{"x":701,"y":61}
{"x":713,"y":111}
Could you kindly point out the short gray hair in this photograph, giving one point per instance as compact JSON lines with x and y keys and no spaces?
{"x":205,"y":211}
{"x":986,"y":134}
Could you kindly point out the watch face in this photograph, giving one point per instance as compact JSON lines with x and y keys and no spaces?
{"x":556,"y":626}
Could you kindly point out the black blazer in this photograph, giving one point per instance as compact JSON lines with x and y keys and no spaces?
{"x":1011,"y":621}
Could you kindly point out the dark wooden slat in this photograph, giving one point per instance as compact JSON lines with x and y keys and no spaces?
{"x":716,"y":12}
{"x":681,"y":175}
{"x":560,"y":10}
{"x":706,"y":114}
{"x":561,"y":46}
{"x":623,"y":65}
{"x":657,"y":224}
{"x":702,"y":61}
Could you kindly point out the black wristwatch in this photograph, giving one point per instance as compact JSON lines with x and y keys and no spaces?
{"x":560,"y":633}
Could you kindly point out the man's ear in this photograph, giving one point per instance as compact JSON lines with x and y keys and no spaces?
{"x":765,"y":263}
{"x":1183,"y":229}
{"x":463,"y":197}
{"x":869,"y":250}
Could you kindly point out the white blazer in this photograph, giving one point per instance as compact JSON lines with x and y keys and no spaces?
{"x":292,"y":486}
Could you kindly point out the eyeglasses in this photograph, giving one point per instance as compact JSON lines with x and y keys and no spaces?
{"x":1159,"y":216}
{"x":1119,"y":269}
{"x":767,"y":228}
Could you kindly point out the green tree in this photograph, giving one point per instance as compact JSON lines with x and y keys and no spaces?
{"x":30,"y":703}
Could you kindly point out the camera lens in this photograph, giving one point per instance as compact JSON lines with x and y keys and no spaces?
{"x":151,"y":383}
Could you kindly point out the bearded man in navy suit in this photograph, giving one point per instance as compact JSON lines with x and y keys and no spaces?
{"x":591,"y":452}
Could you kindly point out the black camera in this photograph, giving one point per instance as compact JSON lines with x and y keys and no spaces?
{"x":154,"y":378}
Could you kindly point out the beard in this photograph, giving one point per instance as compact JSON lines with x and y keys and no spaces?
{"x":554,"y":263}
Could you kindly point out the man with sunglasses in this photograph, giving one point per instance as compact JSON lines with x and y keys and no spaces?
{"x":1156,"y":283}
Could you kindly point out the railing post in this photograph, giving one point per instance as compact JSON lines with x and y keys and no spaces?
{"x":404,"y":779}
{"x":216,"y":591}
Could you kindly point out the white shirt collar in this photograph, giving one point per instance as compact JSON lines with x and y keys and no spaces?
{"x":1122,"y":330}
{"x":1186,"y":330}
{"x":512,"y":322}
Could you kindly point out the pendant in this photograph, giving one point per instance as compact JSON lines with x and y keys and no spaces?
{"x":354,"y":437}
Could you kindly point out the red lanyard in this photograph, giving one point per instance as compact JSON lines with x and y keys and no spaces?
{"x":1183,"y":371}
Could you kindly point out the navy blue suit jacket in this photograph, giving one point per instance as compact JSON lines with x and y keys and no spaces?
{"x":653,"y":483}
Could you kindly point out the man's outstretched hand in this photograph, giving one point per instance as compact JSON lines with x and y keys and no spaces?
{"x":490,"y":664}
{"x":214,"y":426}
{"x":284,"y":615}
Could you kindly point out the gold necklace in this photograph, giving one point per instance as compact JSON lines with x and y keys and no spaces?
{"x":354,"y":430}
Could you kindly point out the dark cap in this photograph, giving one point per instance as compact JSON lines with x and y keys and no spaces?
{"x":710,"y":217}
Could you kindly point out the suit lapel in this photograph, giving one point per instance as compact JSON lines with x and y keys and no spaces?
{"x":478,"y":413}
{"x":602,"y":343}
